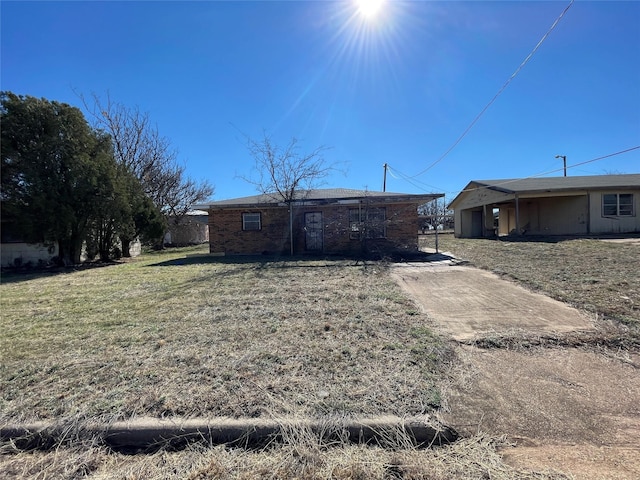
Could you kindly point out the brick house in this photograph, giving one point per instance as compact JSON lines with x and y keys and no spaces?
{"x":323,"y":221}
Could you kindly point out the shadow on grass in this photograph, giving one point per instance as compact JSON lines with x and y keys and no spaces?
{"x":255,"y":261}
{"x":24,"y":274}
{"x":562,"y":238}
{"x":299,"y":261}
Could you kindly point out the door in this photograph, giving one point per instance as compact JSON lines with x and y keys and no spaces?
{"x":313,"y":231}
{"x":476,"y":223}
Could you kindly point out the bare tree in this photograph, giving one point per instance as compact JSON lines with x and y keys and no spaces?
{"x":140,"y":148}
{"x":434,"y":214}
{"x":286,"y":174}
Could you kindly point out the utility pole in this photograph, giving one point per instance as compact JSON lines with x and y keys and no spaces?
{"x":384,"y":179}
{"x":437,"y":222}
{"x":564,"y":160}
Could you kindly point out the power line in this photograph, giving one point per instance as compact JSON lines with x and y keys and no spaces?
{"x":397,"y":174}
{"x":513,"y":75}
{"x":588,"y":161}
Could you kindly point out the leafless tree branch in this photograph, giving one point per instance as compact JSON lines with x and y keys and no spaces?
{"x":286,"y":174}
{"x":140,"y":148}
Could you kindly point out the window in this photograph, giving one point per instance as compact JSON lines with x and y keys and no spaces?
{"x":617,"y":205}
{"x":367,"y":222}
{"x":251,"y":221}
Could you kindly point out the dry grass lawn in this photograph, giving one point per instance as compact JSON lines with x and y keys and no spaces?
{"x":470,"y":459}
{"x":165,"y":335}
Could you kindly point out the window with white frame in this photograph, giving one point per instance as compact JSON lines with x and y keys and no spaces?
{"x":367,"y":222}
{"x":617,"y":205}
{"x":251,"y":221}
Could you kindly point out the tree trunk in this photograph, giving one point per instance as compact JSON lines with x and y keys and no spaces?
{"x":104,"y":247}
{"x":63,"y":254}
{"x":76,"y":251}
{"x":126,"y":246}
{"x":158,"y":243}
{"x":69,"y":251}
{"x":105,"y":240}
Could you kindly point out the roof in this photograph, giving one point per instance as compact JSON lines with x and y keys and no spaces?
{"x":553,"y":184}
{"x":320,"y":196}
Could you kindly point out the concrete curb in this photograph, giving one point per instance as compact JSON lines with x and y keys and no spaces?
{"x":144,"y":434}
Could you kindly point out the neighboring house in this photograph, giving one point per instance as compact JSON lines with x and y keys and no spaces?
{"x":15,"y":252}
{"x":323,"y":221}
{"x":587,"y":205}
{"x":189,"y":229}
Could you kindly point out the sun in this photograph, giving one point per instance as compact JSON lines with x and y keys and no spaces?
{"x":369,"y":8}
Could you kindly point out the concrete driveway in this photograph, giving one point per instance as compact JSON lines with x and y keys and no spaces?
{"x":468,"y":302}
{"x":576,"y":410}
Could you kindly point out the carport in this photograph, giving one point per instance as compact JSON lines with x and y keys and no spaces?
{"x":548,"y":206}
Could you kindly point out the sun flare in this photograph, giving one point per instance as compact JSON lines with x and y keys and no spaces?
{"x":370,"y":8}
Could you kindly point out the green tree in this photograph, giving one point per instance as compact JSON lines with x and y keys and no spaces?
{"x":124,"y":215}
{"x":107,"y":211}
{"x":139,"y":216}
{"x":54,"y":171}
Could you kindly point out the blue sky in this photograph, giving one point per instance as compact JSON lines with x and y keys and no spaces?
{"x":400,"y":88}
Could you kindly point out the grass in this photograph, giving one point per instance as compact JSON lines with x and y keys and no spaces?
{"x":301,"y":457}
{"x":166,"y":335}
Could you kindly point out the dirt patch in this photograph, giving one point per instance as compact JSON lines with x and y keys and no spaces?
{"x":571,"y":410}
{"x":575,"y":410}
{"x":585,"y":462}
{"x":559,"y":396}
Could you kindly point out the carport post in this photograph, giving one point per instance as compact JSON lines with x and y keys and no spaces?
{"x":517,"y":216}
{"x":484,"y":220}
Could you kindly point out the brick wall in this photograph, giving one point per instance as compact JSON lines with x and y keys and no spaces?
{"x":226,"y":234}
